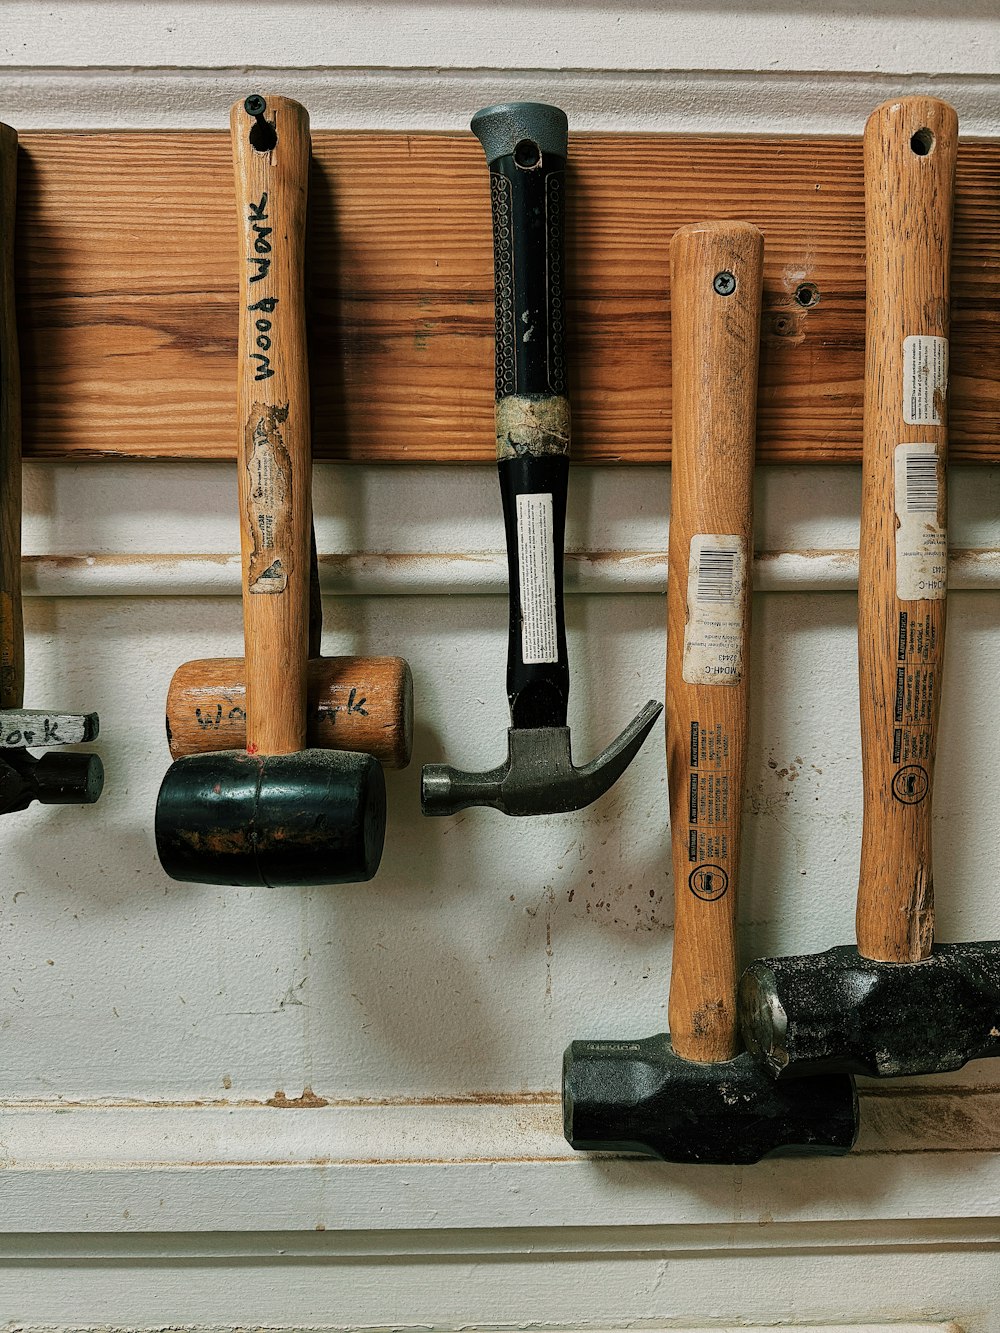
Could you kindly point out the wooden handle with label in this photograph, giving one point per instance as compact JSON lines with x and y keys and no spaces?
{"x":11,"y":627}
{"x":271,"y":159}
{"x":363,"y":704}
{"x":910,"y":147}
{"x":716,"y":272}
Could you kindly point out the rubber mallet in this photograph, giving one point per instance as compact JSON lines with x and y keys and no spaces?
{"x":692,"y":1095}
{"x":895,"y":1004}
{"x":276,"y":813}
{"x":526,"y":144}
{"x":52,"y":779}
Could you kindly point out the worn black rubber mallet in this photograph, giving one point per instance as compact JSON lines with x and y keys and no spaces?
{"x":52,"y":779}
{"x":897,"y":1004}
{"x":692,"y":1095}
{"x":276,"y":813}
{"x":526,"y":145}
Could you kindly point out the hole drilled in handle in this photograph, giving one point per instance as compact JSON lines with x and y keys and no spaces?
{"x":922,"y":142}
{"x":807,"y":294}
{"x":527,"y":154}
{"x":263,"y":136}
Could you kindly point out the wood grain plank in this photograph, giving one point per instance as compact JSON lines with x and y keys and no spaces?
{"x":127,"y":293}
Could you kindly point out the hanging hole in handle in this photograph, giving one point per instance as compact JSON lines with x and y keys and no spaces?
{"x":922,"y":142}
{"x":263,"y":136}
{"x":527,"y":154}
{"x":807,"y":294}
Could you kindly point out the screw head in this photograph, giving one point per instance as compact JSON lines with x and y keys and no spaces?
{"x":255,"y":105}
{"x":724,"y":283}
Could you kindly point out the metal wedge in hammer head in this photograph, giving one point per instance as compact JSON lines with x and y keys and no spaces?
{"x":896,"y":1004}
{"x":51,"y":779}
{"x":692,"y":1095}
{"x":525,"y":144}
{"x":277,"y":813}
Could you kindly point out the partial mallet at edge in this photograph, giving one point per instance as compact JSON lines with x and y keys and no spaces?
{"x":51,"y":779}
{"x":897,"y":1004}
{"x":691,"y":1095}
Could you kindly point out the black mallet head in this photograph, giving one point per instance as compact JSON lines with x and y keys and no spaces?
{"x":313,"y":817}
{"x":840,"y":1012}
{"x":640,"y":1097}
{"x":51,"y":779}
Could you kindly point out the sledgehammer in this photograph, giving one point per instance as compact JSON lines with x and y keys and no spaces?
{"x":897,"y":1004}
{"x":526,"y":144}
{"x":691,"y":1095}
{"x":52,"y":779}
{"x":276,"y":813}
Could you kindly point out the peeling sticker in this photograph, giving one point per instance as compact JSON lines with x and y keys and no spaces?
{"x":269,"y":499}
{"x":716,"y":606}
{"x":921,"y":534}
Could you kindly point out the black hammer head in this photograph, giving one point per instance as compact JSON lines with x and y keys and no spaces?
{"x":837,"y":1011}
{"x":639,"y":1097}
{"x":314,"y":817}
{"x":538,"y":776}
{"x":52,"y":779}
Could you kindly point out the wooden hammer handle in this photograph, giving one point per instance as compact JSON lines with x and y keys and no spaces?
{"x":910,"y":148}
{"x":11,"y":627}
{"x":716,"y":271}
{"x":271,"y":159}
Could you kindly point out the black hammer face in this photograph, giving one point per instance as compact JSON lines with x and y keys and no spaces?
{"x":837,"y":1011}
{"x":639,"y":1097}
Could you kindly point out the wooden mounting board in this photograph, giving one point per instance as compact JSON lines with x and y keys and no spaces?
{"x":127,"y":293}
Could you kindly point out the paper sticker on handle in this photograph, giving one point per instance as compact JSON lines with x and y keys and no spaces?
{"x":921,"y":535}
{"x":536,"y":565}
{"x":715,"y":630}
{"x":925,"y":380}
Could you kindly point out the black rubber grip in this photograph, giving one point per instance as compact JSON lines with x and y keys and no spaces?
{"x":537,"y":691}
{"x":528,"y":229}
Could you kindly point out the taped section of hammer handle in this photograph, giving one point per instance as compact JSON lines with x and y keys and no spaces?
{"x":910,"y":148}
{"x":11,"y":627}
{"x":271,"y":161}
{"x":716,"y":271}
{"x":362,"y":704}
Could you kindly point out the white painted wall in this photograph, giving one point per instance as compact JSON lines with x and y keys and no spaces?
{"x":484,"y":945}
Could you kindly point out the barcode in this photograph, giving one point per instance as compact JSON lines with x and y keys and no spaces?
{"x":921,"y":483}
{"x":716,"y":576}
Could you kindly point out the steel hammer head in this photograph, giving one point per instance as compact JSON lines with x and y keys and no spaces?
{"x":52,"y":779}
{"x":837,"y":1011}
{"x":641,"y":1097}
{"x":538,"y":776}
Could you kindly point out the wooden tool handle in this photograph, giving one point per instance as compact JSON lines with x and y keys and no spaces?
{"x":362,"y":704}
{"x":910,"y":149}
{"x":271,"y":160}
{"x":11,"y":627}
{"x":716,"y":270}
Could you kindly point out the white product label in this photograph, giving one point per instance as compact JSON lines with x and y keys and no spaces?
{"x":925,"y":380}
{"x":921,"y":536}
{"x":716,"y":597}
{"x":536,"y":565}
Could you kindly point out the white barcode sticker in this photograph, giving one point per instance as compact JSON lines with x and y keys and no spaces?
{"x":537,"y":571}
{"x":716,"y":604}
{"x":925,"y":380}
{"x":921,"y":534}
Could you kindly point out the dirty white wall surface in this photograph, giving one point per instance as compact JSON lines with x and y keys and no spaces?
{"x":145,"y":1025}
